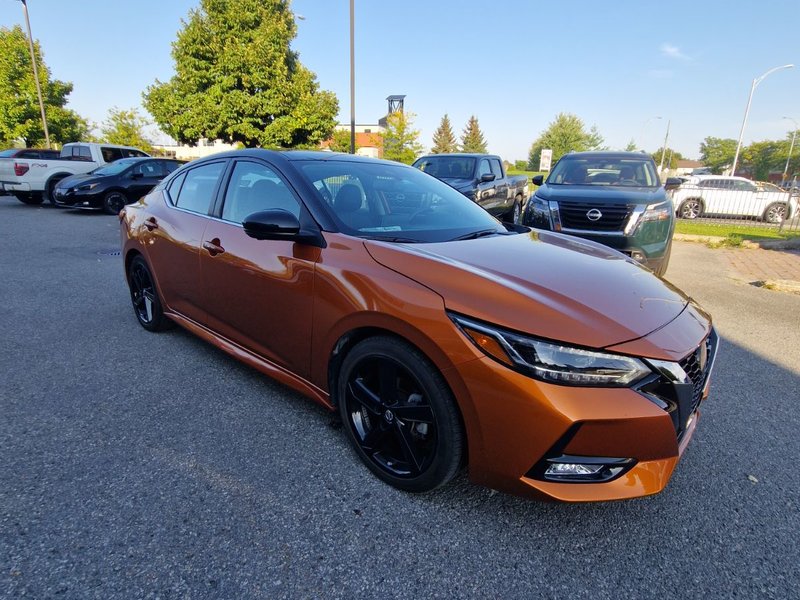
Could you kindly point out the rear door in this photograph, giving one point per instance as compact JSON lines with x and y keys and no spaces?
{"x":258,"y":293}
{"x":176,"y":235}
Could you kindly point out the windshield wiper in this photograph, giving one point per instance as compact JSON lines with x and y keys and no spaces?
{"x":391,"y":239}
{"x":474,"y":235}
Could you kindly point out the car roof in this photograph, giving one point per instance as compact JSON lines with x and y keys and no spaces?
{"x":607,"y":154}
{"x":296,"y":155}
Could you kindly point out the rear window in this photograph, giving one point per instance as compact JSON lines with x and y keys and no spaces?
{"x":198,"y":187}
{"x":111,"y":154}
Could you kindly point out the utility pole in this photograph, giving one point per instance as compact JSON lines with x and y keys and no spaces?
{"x":35,"y":72}
{"x":664,"y":149}
{"x":352,"y":80}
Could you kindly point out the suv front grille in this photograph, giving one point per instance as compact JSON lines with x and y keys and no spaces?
{"x":574,"y":215}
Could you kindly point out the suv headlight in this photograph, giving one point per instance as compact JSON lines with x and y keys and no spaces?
{"x":661,"y":211}
{"x":551,"y":361}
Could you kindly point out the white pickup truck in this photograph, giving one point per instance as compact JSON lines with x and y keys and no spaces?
{"x":31,"y":180}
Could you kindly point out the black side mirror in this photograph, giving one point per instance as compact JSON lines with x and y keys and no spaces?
{"x":486,"y":177}
{"x":137,"y":175}
{"x":279,"y":224}
{"x":672,"y":182}
{"x":537,"y":179}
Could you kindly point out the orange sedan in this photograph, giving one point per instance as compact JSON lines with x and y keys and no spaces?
{"x":551,"y":366}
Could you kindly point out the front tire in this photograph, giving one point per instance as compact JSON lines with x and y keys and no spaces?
{"x":400,"y":415}
{"x":775,"y":213}
{"x":690,"y":209}
{"x":113,"y":202}
{"x":513,"y":215}
{"x":144,"y":296}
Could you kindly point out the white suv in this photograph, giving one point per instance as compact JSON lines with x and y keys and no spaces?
{"x":717,"y":195}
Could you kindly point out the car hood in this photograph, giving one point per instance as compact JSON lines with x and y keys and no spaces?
{"x":542,"y":283}
{"x":76,"y":180}
{"x":457,"y":182}
{"x":602,"y":193}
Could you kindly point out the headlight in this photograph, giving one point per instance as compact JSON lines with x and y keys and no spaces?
{"x":551,"y":361}
{"x":658,"y":212}
{"x":86,"y":187}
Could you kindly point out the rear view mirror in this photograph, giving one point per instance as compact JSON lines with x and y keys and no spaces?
{"x":279,"y":224}
{"x":672,"y":182}
{"x":486,"y":177}
{"x":137,"y":175}
{"x":537,"y":179}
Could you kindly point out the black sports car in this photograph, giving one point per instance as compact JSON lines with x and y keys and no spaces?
{"x":113,"y":186}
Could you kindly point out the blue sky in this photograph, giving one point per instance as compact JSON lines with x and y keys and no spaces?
{"x":514,"y":64}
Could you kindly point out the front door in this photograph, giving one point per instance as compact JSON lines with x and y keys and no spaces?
{"x":259,"y":293}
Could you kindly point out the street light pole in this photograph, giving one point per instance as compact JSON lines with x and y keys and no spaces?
{"x":791,"y":147}
{"x":664,"y":149}
{"x":35,"y":72}
{"x":352,"y":80}
{"x":641,"y":137}
{"x":753,"y":87}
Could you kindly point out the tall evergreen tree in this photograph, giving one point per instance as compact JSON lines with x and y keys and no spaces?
{"x":400,"y":141}
{"x":237,"y":79}
{"x":472,"y":139}
{"x":444,"y":140}
{"x":20,"y":116}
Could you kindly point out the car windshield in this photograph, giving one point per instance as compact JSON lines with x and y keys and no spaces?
{"x":582,"y":170}
{"x":447,"y":167}
{"x":117,"y":167}
{"x":395,"y":203}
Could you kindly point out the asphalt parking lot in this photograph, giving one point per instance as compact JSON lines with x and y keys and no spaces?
{"x":138,"y":465}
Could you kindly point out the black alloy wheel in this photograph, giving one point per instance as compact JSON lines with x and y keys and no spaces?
{"x":399,"y":415}
{"x":113,"y":202}
{"x":146,"y":304}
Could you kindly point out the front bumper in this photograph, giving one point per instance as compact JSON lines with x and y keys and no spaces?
{"x":521,"y":423}
{"x":74,"y":199}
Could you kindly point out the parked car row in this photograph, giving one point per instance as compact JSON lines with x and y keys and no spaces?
{"x":32,"y":180}
{"x":95,"y":176}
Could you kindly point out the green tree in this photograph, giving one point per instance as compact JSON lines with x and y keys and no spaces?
{"x":444,"y":140}
{"x":125,"y":127}
{"x":520,"y":165}
{"x":20,"y":117}
{"x":472,"y":139}
{"x":400,"y":140}
{"x":717,"y":153}
{"x":237,"y":79}
{"x":340,"y":141}
{"x":631,"y":146}
{"x":759,"y":158}
{"x":566,"y":133}
{"x":671,"y":158}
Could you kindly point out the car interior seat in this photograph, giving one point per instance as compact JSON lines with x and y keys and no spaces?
{"x":348,"y":207}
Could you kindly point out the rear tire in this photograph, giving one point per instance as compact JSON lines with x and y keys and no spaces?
{"x":514,"y":215}
{"x":775,"y":213}
{"x":144,"y":296}
{"x":29,"y":198}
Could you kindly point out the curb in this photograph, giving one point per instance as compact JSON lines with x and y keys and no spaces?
{"x":790,"y":244}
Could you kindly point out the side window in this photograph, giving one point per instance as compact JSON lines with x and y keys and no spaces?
{"x":496,"y":168}
{"x":110,"y":154}
{"x":254,"y":187}
{"x":198,"y":188}
{"x":81,"y":153}
{"x":169,"y":166}
{"x":150,"y":168}
{"x":484,"y":168}
{"x":175,"y":187}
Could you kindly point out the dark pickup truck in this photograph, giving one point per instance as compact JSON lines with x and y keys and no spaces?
{"x":482,"y":179}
